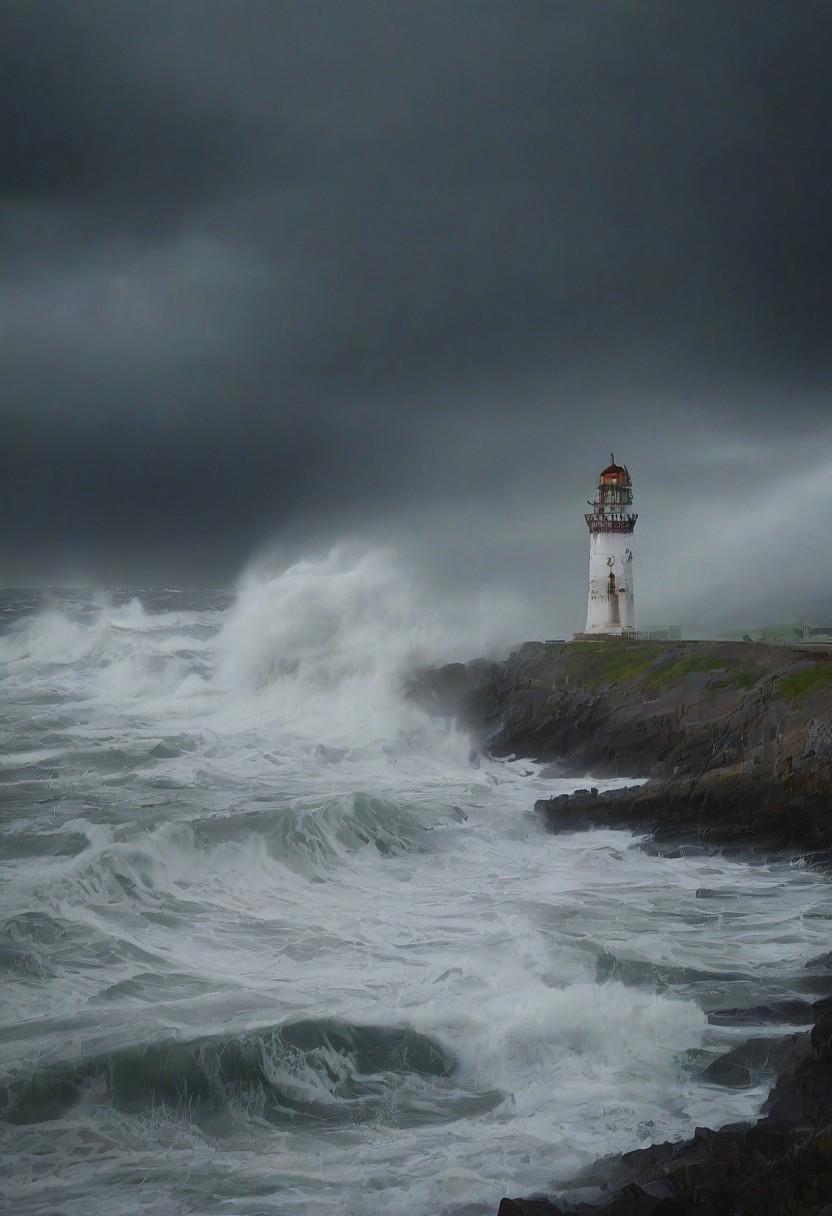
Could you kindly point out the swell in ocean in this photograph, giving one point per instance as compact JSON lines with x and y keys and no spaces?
{"x":273,"y":941}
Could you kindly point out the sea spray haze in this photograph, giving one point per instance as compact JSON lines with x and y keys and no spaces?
{"x":328,"y":645}
{"x":271,"y":943}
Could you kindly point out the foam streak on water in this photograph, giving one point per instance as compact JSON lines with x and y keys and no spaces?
{"x":271,"y":943}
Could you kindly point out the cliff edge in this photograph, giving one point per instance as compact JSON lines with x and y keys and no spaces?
{"x":735,"y":737}
{"x":736,"y":742}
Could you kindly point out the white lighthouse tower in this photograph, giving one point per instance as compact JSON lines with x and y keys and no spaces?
{"x":610,"y":609}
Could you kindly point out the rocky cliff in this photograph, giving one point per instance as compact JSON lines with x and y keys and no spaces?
{"x":779,"y":1166}
{"x":736,"y":737}
{"x":736,"y":740}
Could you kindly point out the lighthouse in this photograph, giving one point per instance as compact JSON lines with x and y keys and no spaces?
{"x":610,"y":609}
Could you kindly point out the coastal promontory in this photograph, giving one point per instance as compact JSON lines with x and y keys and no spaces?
{"x":734,"y":740}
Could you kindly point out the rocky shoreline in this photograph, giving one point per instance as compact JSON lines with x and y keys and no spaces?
{"x":735,"y":740}
{"x":779,"y":1166}
{"x":735,"y":813}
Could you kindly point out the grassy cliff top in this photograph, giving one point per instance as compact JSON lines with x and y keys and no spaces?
{"x":793,"y":672}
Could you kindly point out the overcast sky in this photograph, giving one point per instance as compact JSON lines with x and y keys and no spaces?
{"x":276,"y":274}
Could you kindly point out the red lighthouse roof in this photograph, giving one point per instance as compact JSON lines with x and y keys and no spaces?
{"x":615,"y":473}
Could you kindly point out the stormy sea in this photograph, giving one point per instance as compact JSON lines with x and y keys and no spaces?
{"x":274,"y":941}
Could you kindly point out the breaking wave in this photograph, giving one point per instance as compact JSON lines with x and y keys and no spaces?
{"x":320,"y":651}
{"x":175,"y":861}
{"x":321,"y":1069}
{"x":326,"y":646}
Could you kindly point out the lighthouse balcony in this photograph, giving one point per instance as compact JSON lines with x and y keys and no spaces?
{"x":598,"y":522}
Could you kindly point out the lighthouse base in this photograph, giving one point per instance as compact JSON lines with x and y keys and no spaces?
{"x":623,"y":635}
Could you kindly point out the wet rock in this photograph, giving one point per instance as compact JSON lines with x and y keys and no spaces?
{"x":528,"y":1207}
{"x":733,"y":765}
{"x":729,"y":1073}
{"x":782,"y":1013}
{"x":779,"y":1166}
{"x":756,"y":1058}
{"x":745,"y":815}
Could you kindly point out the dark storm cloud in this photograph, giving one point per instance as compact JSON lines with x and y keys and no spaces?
{"x":291,"y":268}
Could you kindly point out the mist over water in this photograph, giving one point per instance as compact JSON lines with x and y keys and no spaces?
{"x":271,"y":942}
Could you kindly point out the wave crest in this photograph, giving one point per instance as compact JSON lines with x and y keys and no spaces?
{"x":327,"y":644}
{"x":314,"y":1069}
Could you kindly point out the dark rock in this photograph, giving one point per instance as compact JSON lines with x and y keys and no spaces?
{"x":734,"y":765}
{"x":822,"y":1010}
{"x":779,"y":1166}
{"x":816,"y":982}
{"x":783,"y":1013}
{"x":821,"y":960}
{"x":711,"y":814}
{"x":765,"y":1139}
{"x":528,"y":1207}
{"x":729,"y":1073}
{"x":750,"y":1061}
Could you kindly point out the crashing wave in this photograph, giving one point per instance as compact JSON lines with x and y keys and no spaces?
{"x":313,"y":1069}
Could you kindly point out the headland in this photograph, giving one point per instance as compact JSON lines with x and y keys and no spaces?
{"x":735,"y":739}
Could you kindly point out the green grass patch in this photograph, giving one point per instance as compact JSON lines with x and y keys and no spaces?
{"x":800,"y":684}
{"x":733,"y":674}
{"x":743,"y":675}
{"x":596,"y":663}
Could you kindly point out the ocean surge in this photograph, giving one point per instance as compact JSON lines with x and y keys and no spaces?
{"x":270,"y":942}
